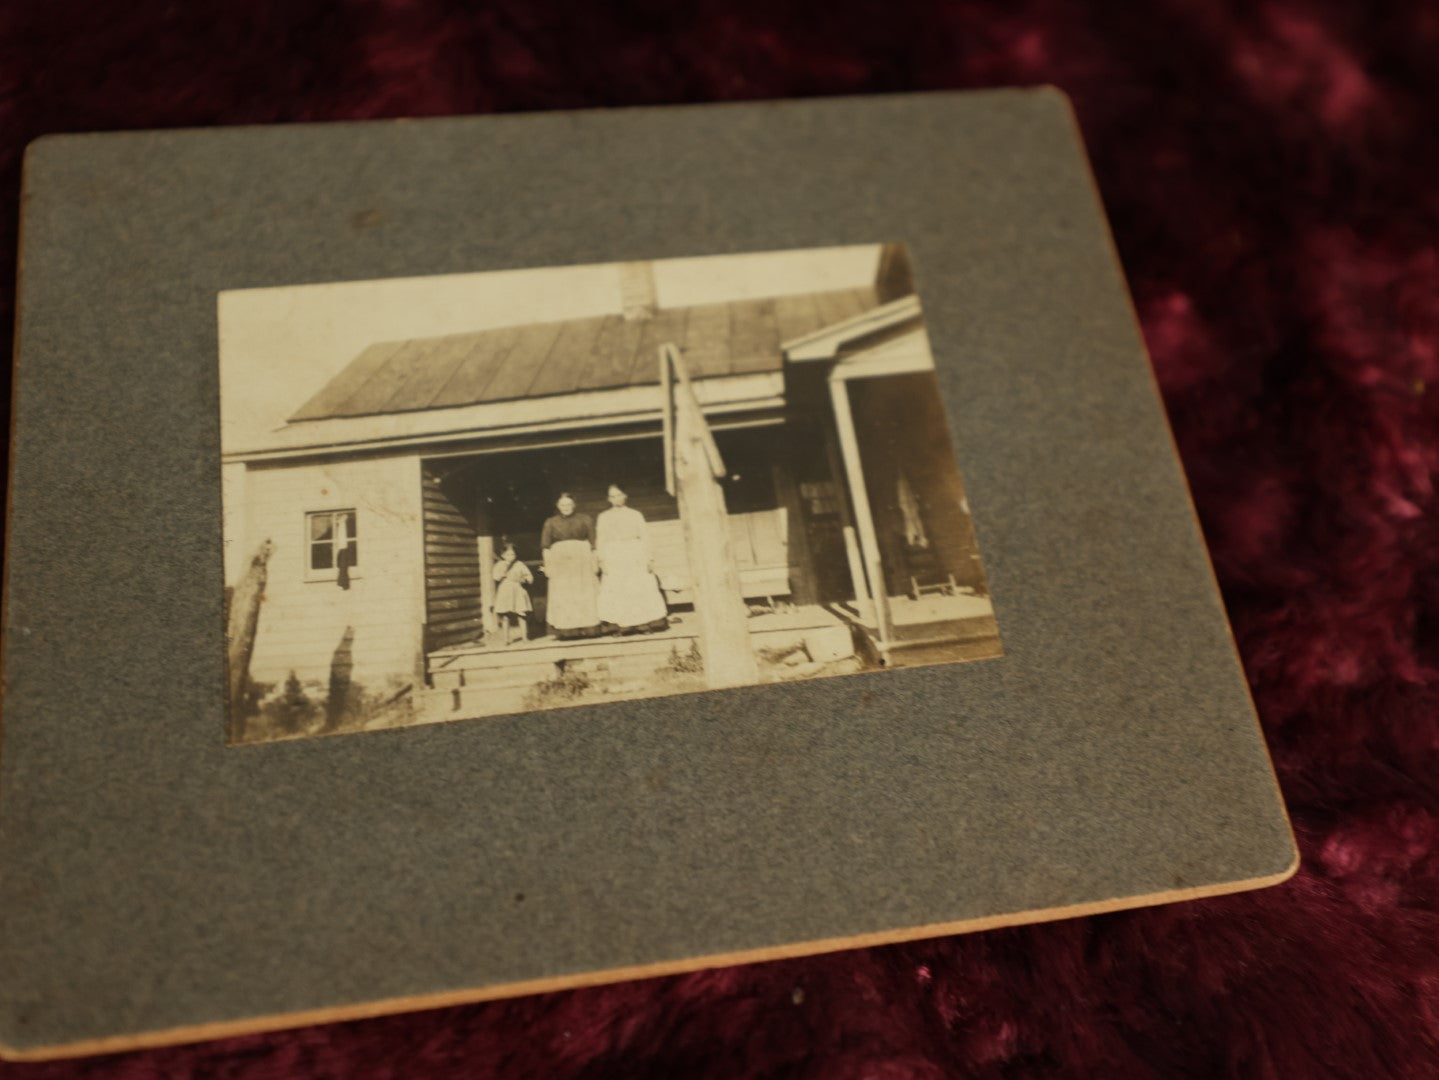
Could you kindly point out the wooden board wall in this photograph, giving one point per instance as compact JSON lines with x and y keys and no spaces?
{"x":454,"y":608}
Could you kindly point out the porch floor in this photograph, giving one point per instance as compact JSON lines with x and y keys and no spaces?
{"x":930,"y":629}
{"x":479,"y":679}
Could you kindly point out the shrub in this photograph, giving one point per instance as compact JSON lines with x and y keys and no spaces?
{"x":687,"y":663}
{"x":567,"y":685}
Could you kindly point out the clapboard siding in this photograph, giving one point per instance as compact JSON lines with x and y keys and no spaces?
{"x":304,"y":616}
{"x":453,"y":605}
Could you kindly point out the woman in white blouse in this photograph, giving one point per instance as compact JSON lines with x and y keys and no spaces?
{"x":630,"y":600}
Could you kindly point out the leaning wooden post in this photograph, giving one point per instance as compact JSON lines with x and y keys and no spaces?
{"x":863,"y":515}
{"x":719,"y":602}
{"x":242,"y":620}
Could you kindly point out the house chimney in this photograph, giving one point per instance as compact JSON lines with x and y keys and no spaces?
{"x":637,"y":290}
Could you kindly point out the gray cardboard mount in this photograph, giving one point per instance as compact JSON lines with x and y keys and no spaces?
{"x":157,"y":885}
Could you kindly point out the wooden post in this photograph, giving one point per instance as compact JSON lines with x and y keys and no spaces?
{"x":485,"y":549}
{"x":667,"y":418}
{"x":863,"y":515}
{"x":729,"y":658}
{"x":856,"y":571}
{"x":846,"y":520}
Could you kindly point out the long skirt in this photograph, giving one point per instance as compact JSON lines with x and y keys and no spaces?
{"x":630,"y":597}
{"x":570,"y":610}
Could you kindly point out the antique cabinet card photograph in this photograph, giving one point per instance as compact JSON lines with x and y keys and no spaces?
{"x":465,"y":496}
{"x":461,"y":558}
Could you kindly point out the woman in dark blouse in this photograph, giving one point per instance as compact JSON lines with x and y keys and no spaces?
{"x":567,"y":544}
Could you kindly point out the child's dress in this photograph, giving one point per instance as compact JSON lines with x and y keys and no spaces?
{"x":511,"y":598}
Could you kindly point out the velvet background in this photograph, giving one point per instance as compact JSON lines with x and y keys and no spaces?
{"x":1272,"y":175}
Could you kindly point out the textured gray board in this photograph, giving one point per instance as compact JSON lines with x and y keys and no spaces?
{"x":152,"y":878}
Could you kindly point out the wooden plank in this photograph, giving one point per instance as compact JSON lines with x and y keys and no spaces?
{"x":865,"y":298}
{"x":729,"y":659}
{"x":458,"y":622}
{"x":461,"y":547}
{"x":846,"y":518}
{"x":706,"y":340}
{"x":602,"y":369}
{"x":755,"y":344}
{"x":437,"y":496}
{"x":666,"y":326}
{"x":485,"y":560}
{"x":667,"y":419}
{"x":450,"y":521}
{"x":522,"y":363}
{"x":450,"y":592}
{"x":458,"y":619}
{"x":454,"y":633}
{"x":612,"y":366}
{"x":430,"y":372}
{"x":458,"y":588}
{"x":441,"y":577}
{"x":460,"y":539}
{"x":439,"y":637}
{"x":442,"y":640}
{"x":740,"y":544}
{"x":834,"y":307}
{"x":439,"y":499}
{"x":453,"y":604}
{"x":465,"y":561}
{"x":333,"y":396}
{"x":686,"y":396}
{"x":863,"y":515}
{"x":371,"y":396}
{"x":471,"y":379}
{"x":447,"y":518}
{"x":567,"y":366}
{"x":462,"y":564}
{"x":444,"y":576}
{"x":443,"y":516}
{"x":446,"y":528}
{"x":796,"y":316}
{"x":436,"y":547}
{"x":452,"y":559}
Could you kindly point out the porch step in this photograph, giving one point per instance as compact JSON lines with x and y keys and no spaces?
{"x":501,"y":668}
{"x":498,"y":678}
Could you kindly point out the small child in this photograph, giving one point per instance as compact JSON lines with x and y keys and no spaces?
{"x":512,"y":599}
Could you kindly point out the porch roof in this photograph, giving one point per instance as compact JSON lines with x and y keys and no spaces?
{"x":741,"y":337}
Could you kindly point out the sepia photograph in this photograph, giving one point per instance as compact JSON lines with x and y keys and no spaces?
{"x":476,"y":495}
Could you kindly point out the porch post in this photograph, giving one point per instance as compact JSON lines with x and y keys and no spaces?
{"x":846,"y":520}
{"x":864,"y":516}
{"x":485,"y":552}
{"x":725,"y":645}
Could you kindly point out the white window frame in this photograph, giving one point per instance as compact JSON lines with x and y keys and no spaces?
{"x":339,"y":539}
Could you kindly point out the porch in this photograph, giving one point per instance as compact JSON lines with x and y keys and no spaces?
{"x":474,"y":679}
{"x":925,"y":629}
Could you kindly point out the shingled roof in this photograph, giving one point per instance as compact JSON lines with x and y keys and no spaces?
{"x":736,"y":338}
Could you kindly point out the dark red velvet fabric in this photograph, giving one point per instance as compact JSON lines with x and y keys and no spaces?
{"x":1272,"y":173}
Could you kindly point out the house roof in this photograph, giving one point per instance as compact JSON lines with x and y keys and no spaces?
{"x":740,"y":337}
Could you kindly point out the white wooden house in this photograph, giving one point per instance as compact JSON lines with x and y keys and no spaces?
{"x":380,"y":502}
